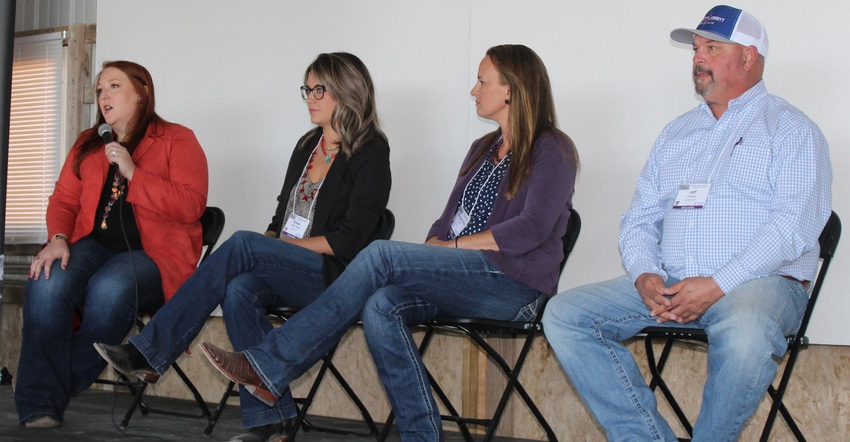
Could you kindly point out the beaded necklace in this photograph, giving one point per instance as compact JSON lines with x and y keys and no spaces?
{"x":305,"y":178}
{"x":328,"y":156}
{"x":117,"y":191}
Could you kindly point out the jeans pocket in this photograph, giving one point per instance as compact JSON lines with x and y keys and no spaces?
{"x":529,"y":311}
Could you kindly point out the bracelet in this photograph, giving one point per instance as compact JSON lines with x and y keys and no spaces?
{"x":456,"y":238}
{"x":58,"y":236}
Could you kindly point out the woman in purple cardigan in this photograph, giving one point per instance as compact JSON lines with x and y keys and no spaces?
{"x":493,"y":253}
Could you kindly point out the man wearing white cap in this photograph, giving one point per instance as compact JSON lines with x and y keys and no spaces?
{"x":722,"y":235}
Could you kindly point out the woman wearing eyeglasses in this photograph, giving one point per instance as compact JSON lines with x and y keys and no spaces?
{"x":495,"y":252}
{"x":335,"y":191}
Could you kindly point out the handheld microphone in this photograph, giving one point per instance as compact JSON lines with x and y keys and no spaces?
{"x":105,"y":132}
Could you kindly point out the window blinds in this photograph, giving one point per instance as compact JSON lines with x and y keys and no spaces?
{"x":35,"y":135}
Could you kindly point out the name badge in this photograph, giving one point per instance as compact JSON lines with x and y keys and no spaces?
{"x":296,"y":226}
{"x":691,"y":196}
{"x":460,"y":221}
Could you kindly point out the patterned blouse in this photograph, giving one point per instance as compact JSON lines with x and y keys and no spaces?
{"x":480,"y":194}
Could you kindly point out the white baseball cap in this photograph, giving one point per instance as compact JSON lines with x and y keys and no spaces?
{"x":728,"y":25}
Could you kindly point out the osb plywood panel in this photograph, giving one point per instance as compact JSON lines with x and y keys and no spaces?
{"x":818,"y":396}
{"x":556,"y":398}
{"x":355,"y":364}
{"x":10,"y":328}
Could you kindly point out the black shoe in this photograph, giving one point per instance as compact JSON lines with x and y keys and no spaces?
{"x":5,"y":376}
{"x":128,"y":360}
{"x":277,"y":432}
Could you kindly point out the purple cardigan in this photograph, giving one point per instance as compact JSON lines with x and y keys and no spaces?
{"x":529,"y":227}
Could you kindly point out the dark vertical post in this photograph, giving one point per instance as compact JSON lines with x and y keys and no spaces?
{"x":7,"y":45}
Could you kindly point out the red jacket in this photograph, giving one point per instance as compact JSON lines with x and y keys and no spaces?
{"x":168,"y":193}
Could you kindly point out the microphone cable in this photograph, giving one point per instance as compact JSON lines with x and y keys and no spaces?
{"x":105,"y":131}
{"x":136,"y":297}
{"x":146,"y":434}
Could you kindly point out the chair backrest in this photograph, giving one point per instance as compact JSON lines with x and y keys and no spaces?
{"x":212,"y":222}
{"x":828,"y":240}
{"x":386,"y":225}
{"x":569,"y":239}
{"x":570,"y":236}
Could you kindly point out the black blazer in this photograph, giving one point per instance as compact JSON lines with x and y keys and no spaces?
{"x":350,"y":202}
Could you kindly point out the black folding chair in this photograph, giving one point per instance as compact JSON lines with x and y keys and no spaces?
{"x":213,"y":223}
{"x":828,"y":242}
{"x":477,"y":329}
{"x":384,"y":230}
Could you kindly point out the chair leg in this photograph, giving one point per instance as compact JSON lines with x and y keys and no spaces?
{"x":550,"y":433}
{"x":658,"y":381}
{"x":306,"y":402}
{"x":199,"y":400}
{"x":228,"y":392}
{"x":513,"y":384}
{"x":777,"y":394}
{"x":367,"y":417}
{"x":786,"y":415}
{"x":453,"y":416}
{"x":138,"y":390}
{"x":385,"y":430}
{"x":423,"y":346}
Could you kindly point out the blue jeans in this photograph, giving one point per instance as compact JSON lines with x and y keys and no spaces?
{"x":394,"y":285}
{"x":57,"y":363}
{"x":245,"y":274}
{"x":746,"y":329}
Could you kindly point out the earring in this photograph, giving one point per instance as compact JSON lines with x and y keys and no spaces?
{"x":507,"y":101}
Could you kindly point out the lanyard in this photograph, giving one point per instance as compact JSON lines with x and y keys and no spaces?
{"x":484,"y":184}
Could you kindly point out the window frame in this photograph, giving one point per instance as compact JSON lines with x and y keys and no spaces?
{"x":77,"y":99}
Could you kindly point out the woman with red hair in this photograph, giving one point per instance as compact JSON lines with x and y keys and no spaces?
{"x":124,"y":233}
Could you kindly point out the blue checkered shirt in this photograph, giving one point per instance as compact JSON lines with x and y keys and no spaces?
{"x":770,"y":196}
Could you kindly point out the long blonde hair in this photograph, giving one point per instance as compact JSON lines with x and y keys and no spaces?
{"x":346,"y":78}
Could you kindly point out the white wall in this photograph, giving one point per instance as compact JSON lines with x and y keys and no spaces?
{"x":230,"y":70}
